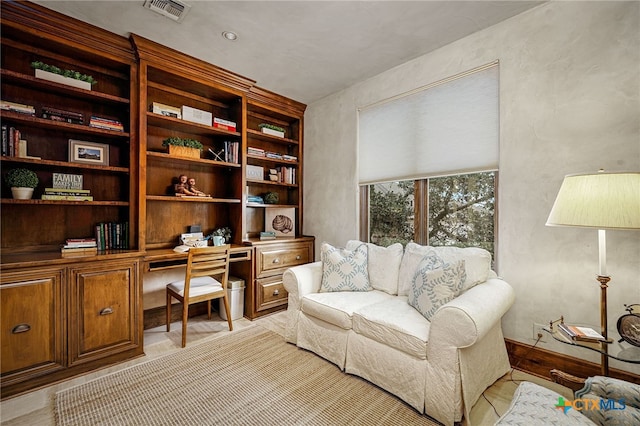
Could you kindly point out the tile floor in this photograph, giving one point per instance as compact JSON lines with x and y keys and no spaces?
{"x":36,"y":407}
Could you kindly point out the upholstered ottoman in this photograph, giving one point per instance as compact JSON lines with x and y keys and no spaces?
{"x":534,"y":405}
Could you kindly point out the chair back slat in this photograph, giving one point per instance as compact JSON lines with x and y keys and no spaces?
{"x":207,"y":261}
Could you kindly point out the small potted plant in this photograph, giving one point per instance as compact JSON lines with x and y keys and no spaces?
{"x":22,"y":182}
{"x":58,"y":75}
{"x":272,"y":130}
{"x":181,"y":147}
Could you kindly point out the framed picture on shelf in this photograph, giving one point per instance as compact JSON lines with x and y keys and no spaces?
{"x":88,"y":152}
{"x":280,"y":221}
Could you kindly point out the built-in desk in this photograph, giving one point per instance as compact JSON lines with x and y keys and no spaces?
{"x":159,"y":259}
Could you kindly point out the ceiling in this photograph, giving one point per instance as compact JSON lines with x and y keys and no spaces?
{"x":304,"y":50}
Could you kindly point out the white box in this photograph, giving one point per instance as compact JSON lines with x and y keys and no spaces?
{"x":255,"y":172}
{"x":235,"y":297}
{"x":57,"y":78}
{"x":197,"y":115}
{"x":272,"y":132}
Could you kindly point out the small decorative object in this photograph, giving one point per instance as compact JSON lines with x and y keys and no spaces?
{"x":22,"y":182}
{"x":255,"y":172}
{"x":180,"y":147}
{"x":218,"y":240}
{"x":88,"y":152}
{"x":271,"y":198}
{"x":58,"y":75}
{"x":280,"y":221}
{"x":186,"y":186}
{"x":223,"y":232}
{"x":272,"y":130}
{"x":629,"y":325}
{"x":194,"y":190}
{"x":197,"y":115}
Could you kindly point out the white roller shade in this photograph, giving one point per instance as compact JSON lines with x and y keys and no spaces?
{"x":446,"y":128}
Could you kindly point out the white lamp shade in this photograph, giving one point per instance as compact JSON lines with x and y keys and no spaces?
{"x":599,"y":200}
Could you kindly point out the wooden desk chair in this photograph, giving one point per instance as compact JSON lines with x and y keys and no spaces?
{"x":199,"y":284}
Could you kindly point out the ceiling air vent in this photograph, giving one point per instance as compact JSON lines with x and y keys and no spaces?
{"x":172,"y":9}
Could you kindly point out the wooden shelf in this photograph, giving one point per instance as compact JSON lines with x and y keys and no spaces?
{"x":50,"y":86}
{"x":173,"y":198}
{"x":267,"y":182}
{"x":201,"y":161}
{"x":177,"y":124}
{"x":59,"y":125}
{"x":65,"y":202}
{"x":65,"y":164}
{"x":271,"y":206}
{"x":272,"y":160}
{"x":263,"y":136}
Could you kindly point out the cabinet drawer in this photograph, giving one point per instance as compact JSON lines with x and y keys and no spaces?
{"x":278,"y":258}
{"x":270,"y":293}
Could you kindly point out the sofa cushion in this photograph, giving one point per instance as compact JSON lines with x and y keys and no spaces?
{"x":394,"y":323}
{"x":477,"y":264}
{"x":434,"y":284}
{"x":383,"y":265}
{"x":344,"y":270}
{"x":337,"y":307}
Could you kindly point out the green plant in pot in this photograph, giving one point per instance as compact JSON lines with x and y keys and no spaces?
{"x":183,"y":147}
{"x":22,"y":182}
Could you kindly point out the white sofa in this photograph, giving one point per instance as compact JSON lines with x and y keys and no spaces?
{"x":439,"y":366}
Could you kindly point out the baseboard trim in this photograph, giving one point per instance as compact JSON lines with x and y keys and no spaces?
{"x":539,"y":361}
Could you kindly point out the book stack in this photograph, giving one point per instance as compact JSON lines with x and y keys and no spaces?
{"x":112,"y":235}
{"x":286,"y":175}
{"x":255,"y":199}
{"x":166,"y":110}
{"x":258,"y":152}
{"x":79,"y":247}
{"x":106,"y":124}
{"x":286,"y":157}
{"x":16,"y":107}
{"x":267,"y":235}
{"x":67,"y":194}
{"x":12,"y":143}
{"x":56,"y":114}
{"x":273,"y":155}
{"x":273,"y":175}
{"x":582,"y":334}
{"x":219,"y":123}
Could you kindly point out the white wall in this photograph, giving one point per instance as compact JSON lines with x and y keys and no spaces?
{"x":570,"y":103}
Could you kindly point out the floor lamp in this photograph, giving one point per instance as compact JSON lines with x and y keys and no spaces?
{"x":601,"y":201}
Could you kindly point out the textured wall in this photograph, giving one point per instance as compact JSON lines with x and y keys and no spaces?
{"x":570,"y":103}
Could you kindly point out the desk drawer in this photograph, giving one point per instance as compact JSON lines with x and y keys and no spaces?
{"x":270,"y":260}
{"x":270,"y":293}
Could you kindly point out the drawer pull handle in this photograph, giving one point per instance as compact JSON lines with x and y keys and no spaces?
{"x":106,"y":311}
{"x":276,"y":292}
{"x":21,"y":328}
{"x":298,"y":257}
{"x":276,"y":260}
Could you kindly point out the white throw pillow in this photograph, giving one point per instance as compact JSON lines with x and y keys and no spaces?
{"x":344,"y":270}
{"x":383,"y":265}
{"x":434,"y":284}
{"x":477,"y":264}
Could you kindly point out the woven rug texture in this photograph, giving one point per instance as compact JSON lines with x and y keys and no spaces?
{"x":248,"y":377}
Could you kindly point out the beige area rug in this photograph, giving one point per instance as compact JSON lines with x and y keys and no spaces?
{"x":248,"y":377}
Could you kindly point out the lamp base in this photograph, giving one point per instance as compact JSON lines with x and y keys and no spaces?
{"x":604,"y":360}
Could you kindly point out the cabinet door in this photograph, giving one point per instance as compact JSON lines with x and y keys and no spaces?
{"x":103,"y":310}
{"x":32,"y":326}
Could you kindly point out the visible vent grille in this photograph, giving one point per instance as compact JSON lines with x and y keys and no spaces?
{"x":172,"y":9}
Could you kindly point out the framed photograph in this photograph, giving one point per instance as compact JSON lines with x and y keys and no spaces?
{"x":280,"y":221}
{"x":88,"y":152}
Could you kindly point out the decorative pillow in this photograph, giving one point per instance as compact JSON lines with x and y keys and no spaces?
{"x":344,"y":270}
{"x":383,"y":265}
{"x":413,"y":254}
{"x":434,"y":284}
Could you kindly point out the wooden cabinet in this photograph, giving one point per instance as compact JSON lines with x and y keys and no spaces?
{"x":266,"y":293}
{"x":171,"y":80}
{"x":66,"y":319}
{"x":61,"y":141}
{"x":32,"y":332}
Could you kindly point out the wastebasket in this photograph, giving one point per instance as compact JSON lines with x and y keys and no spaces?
{"x":235,"y":296}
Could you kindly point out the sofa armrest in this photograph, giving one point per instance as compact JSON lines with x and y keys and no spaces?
{"x":469,"y":317}
{"x":299,"y":281}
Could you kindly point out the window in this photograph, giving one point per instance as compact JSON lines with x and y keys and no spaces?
{"x":428,"y":162}
{"x":454,"y":210}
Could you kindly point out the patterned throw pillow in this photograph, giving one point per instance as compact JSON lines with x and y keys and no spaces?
{"x":344,"y":270}
{"x":435,"y":283}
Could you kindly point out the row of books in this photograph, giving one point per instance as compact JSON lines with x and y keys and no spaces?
{"x":67,"y":194}
{"x":106,"y":124}
{"x":12,"y":143}
{"x":17,"y":107}
{"x":112,"y":235}
{"x":232,"y":152}
{"x":583,"y":334}
{"x":285,"y":174}
{"x":56,"y":114}
{"x":259,"y":152}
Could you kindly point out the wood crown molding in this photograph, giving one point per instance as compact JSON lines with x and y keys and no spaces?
{"x":270,"y":100}
{"x":166,"y":57}
{"x":39,"y":22}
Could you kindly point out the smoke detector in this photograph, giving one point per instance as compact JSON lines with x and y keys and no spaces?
{"x":172,"y":9}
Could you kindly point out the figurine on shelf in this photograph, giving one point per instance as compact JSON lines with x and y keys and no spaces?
{"x":182,"y":187}
{"x":194,"y":190}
